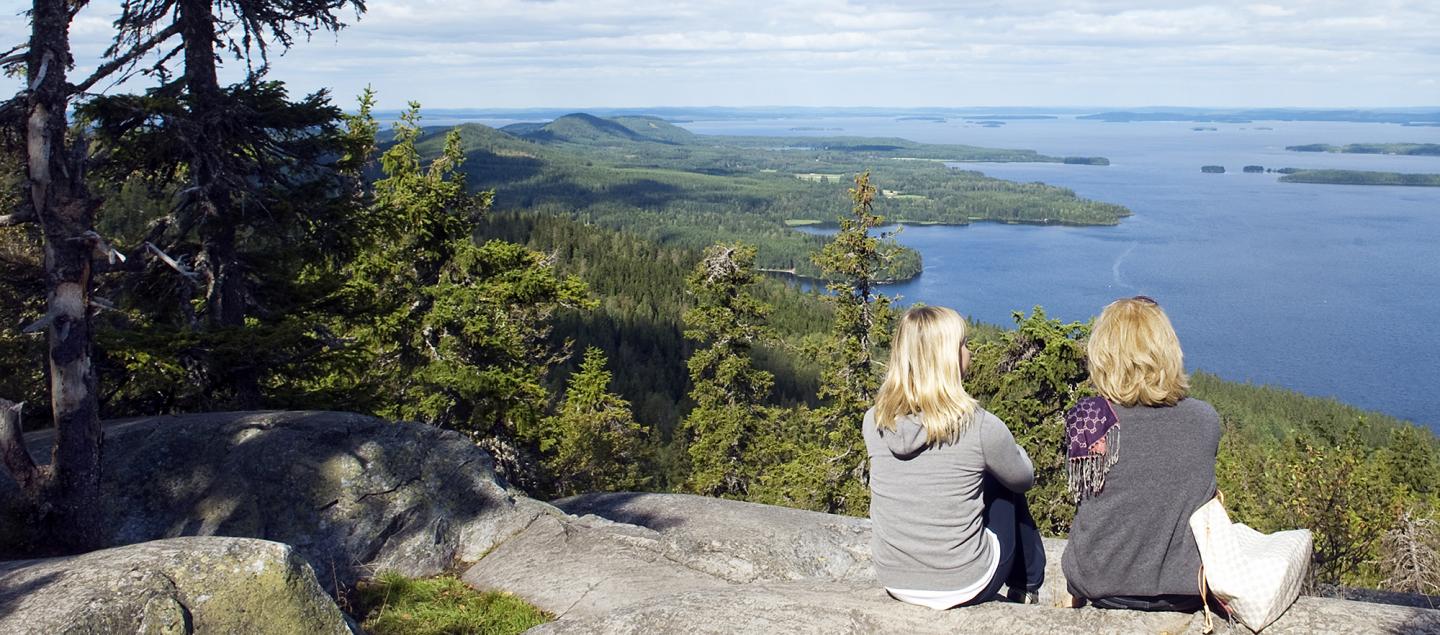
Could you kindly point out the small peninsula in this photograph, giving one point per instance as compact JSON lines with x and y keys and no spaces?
{"x":1359,"y":177}
{"x":1409,"y":149}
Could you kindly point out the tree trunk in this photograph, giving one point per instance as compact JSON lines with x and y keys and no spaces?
{"x":225,"y":296}
{"x":70,"y":489}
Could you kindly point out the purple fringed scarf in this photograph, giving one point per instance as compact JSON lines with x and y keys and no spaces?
{"x":1093,"y":429}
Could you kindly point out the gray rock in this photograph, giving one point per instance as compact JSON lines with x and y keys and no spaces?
{"x":353,"y":494}
{"x":838,"y":607}
{"x":745,"y":542}
{"x":738,"y":541}
{"x":177,"y":586}
{"x":674,"y":563}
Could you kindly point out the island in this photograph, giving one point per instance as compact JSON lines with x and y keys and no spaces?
{"x":1409,"y":117}
{"x":1253,"y":169}
{"x":1212,"y":169}
{"x":1359,"y":177}
{"x":1412,"y":149}
{"x":1086,"y":161}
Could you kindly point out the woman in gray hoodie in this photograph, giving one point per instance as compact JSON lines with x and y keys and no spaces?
{"x":947,"y":479}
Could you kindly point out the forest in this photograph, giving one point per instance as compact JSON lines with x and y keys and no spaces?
{"x":584,"y":298}
{"x":657,"y":180}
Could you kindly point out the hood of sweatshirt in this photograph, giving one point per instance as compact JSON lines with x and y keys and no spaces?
{"x":908,"y":438}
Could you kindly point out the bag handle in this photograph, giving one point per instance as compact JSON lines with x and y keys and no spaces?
{"x":1205,"y":601}
{"x":1205,"y":587}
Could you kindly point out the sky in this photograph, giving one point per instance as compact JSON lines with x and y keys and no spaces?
{"x":926,"y":53}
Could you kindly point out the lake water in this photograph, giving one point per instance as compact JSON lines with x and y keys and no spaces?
{"x":1331,"y":290}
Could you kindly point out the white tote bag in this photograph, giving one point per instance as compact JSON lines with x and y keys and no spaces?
{"x":1256,"y":576}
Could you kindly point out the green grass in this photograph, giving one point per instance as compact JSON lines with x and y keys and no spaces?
{"x":393,"y":604}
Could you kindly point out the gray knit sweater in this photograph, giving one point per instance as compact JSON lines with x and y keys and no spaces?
{"x":1133,"y":538}
{"x":925,"y":501}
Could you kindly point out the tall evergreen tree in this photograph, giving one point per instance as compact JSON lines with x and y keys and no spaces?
{"x":854,"y":261}
{"x":593,"y":443}
{"x":728,"y":389}
{"x":244,"y":162}
{"x":447,"y":330}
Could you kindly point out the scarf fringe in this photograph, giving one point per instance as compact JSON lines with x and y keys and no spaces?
{"x":1087,"y":473}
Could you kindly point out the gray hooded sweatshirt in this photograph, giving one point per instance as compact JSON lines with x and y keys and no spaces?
{"x":926,"y":505}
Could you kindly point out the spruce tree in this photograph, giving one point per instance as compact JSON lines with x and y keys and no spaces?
{"x":593,"y":443}
{"x":854,"y":262}
{"x":728,"y":389}
{"x":446,"y":330}
{"x":247,"y":169}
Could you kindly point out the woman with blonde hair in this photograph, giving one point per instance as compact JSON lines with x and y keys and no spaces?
{"x":1142,"y":459}
{"x":951,"y":524}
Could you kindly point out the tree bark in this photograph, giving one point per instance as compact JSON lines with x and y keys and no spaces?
{"x":14,"y":453}
{"x":66,"y":211}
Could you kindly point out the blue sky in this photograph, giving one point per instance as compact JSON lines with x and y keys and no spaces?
{"x":563,"y":53}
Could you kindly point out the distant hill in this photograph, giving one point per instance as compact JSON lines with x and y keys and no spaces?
{"x":656,"y":129}
{"x":586,"y":129}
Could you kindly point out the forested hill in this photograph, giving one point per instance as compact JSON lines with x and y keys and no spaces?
{"x":655,"y":179}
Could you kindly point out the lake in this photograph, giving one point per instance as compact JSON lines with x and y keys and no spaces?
{"x":1331,"y":290}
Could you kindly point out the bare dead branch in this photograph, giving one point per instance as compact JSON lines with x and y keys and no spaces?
{"x":178,"y":266}
{"x":101,"y":248}
{"x":131,"y":54}
{"x":18,"y":218}
{"x":12,"y":447}
{"x":41,"y":324}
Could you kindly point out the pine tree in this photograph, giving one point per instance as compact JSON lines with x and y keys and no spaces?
{"x":727,"y":387}
{"x":593,"y":443}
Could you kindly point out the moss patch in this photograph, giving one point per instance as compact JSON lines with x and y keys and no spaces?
{"x":393,"y":604}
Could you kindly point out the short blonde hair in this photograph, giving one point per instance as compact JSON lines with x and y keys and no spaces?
{"x":925,"y":376}
{"x":1135,"y":356}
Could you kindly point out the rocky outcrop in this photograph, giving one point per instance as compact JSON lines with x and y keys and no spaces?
{"x":178,"y":586}
{"x":631,"y":563}
{"x":353,"y":494}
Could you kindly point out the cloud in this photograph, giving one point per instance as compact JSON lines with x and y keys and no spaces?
{"x":491,"y":53}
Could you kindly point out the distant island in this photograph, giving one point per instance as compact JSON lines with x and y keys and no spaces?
{"x":1359,"y":177}
{"x":1253,"y":169}
{"x":1204,"y":128}
{"x":1212,"y":169}
{"x":922,"y":118}
{"x":1410,"y":116}
{"x":1016,"y":117}
{"x":1086,"y":161}
{"x":1413,"y":149}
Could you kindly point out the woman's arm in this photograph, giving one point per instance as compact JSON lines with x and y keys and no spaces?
{"x":1003,"y":457}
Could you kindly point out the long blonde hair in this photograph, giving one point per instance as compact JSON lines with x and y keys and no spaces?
{"x":925,"y":375}
{"x":1135,"y":356}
